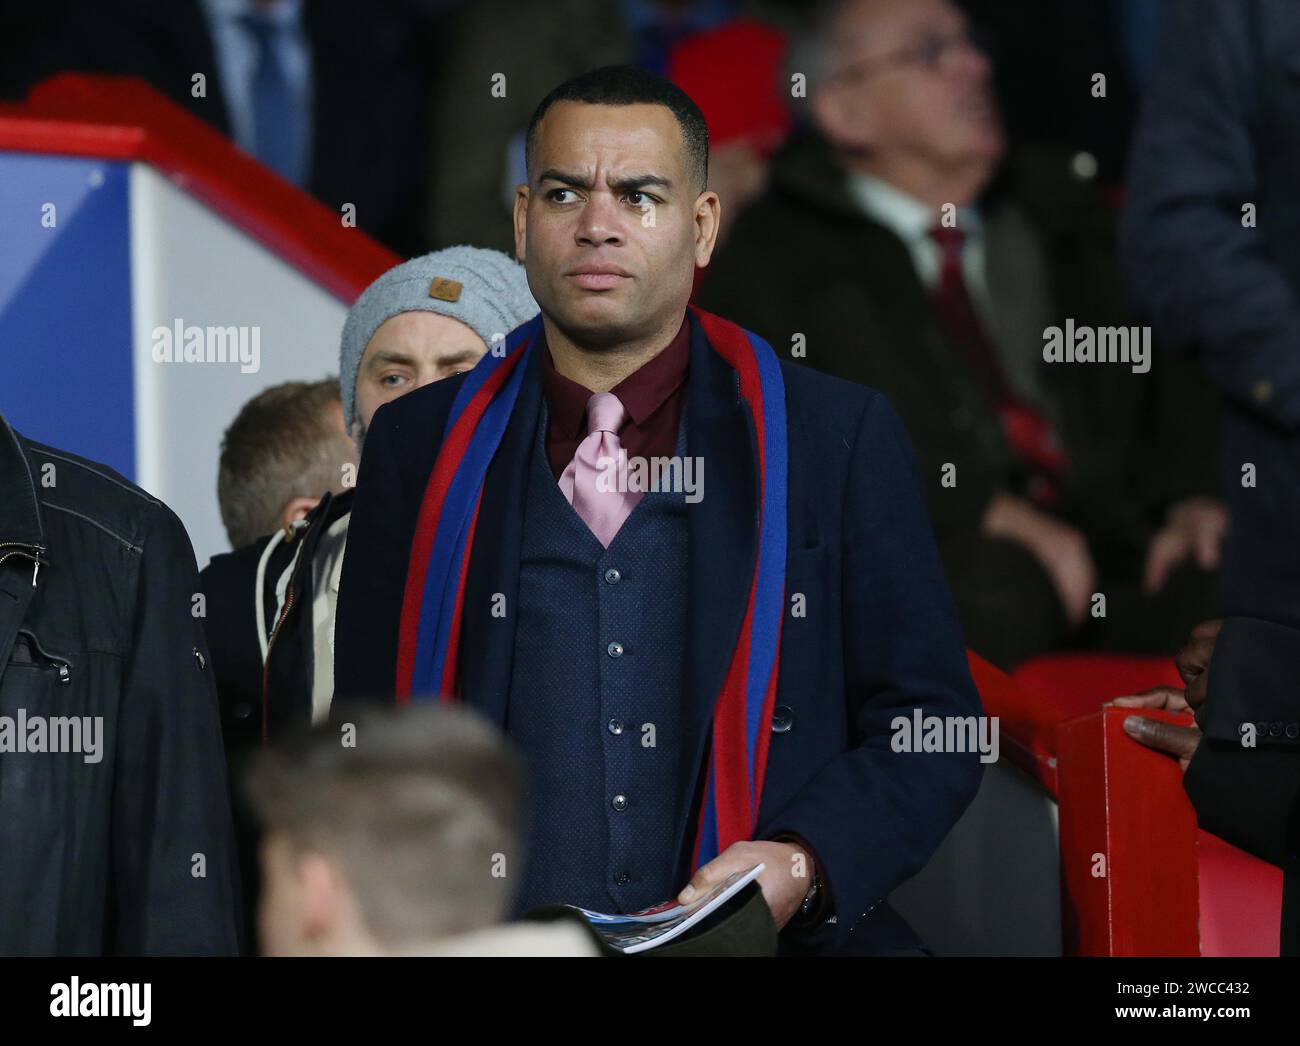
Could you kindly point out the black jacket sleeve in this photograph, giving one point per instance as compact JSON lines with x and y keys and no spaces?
{"x":1255,"y":678}
{"x":1246,"y":792}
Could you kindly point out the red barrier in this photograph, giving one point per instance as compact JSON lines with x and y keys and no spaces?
{"x":123,"y":118}
{"x":1241,"y":900}
{"x":1128,"y":842}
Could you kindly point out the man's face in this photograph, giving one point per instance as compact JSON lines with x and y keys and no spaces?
{"x":907,"y":85}
{"x":409,"y":350}
{"x":612,"y":224}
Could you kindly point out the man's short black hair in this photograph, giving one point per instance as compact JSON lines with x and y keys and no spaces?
{"x":628,"y":85}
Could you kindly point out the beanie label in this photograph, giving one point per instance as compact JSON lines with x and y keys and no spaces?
{"x":444,"y":289}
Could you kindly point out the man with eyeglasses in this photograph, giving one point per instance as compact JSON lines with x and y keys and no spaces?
{"x":901,"y":247}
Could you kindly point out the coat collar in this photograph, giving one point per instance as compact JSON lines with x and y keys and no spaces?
{"x":287,"y":681}
{"x":722,"y":543}
{"x":21,"y":521}
{"x":21,"y":524}
{"x":806,"y":169}
{"x":488,"y":633}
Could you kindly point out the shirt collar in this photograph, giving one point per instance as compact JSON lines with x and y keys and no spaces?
{"x":642,"y":392}
{"x":337,"y":536}
{"x":901,"y":213}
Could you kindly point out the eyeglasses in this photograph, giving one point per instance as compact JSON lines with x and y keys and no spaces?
{"x":928,"y":53}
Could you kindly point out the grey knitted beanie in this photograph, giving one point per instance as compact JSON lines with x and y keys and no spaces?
{"x":484,"y":289}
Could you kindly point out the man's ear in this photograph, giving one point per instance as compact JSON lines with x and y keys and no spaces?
{"x":708,"y":217}
{"x":296,"y":508}
{"x":521,"y":222}
{"x":841,"y":118}
{"x":323,"y":896}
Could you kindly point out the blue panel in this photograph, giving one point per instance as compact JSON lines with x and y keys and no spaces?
{"x":65,"y":305}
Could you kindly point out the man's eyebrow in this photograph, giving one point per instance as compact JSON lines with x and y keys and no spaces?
{"x":633,"y":182}
{"x":554,"y":174}
{"x":627,"y":183}
{"x":461,"y":356}
{"x":384,"y":356}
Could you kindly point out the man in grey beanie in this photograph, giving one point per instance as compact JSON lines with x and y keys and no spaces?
{"x":425,"y":320}
{"x":271,"y":604}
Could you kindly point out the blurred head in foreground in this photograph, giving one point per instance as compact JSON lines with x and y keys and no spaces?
{"x":387,"y":831}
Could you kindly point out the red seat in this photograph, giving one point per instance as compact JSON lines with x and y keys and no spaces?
{"x":1084,"y":682}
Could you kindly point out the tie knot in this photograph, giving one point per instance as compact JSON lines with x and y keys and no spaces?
{"x":947,"y":237}
{"x":604,"y":413}
{"x":262,"y":28}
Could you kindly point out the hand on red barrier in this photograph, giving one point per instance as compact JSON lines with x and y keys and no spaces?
{"x":1180,"y":741}
{"x":1193,"y":660}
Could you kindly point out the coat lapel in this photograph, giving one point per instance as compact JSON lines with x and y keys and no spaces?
{"x":488,"y":638}
{"x":721,"y":545}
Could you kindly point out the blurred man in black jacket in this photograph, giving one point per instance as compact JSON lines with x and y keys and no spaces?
{"x":119,"y":842}
{"x":1212,"y":248}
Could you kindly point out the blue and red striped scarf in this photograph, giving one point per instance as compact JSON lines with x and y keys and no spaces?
{"x":432,"y":606}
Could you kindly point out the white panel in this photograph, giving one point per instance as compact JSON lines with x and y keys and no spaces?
{"x":189,"y":265}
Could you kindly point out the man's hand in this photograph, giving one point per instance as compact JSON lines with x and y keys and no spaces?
{"x":785,"y":880}
{"x":1060,"y":549}
{"x":1194,"y":527}
{"x":1179,"y":741}
{"x":1193,"y":663}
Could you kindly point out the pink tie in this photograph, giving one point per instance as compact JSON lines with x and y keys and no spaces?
{"x":601,"y":505}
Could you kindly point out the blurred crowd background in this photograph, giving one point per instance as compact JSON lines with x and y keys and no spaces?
{"x":393,"y":100}
{"x":837,"y":132}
